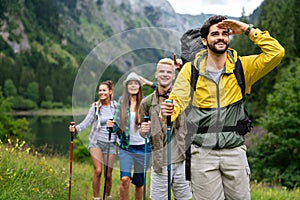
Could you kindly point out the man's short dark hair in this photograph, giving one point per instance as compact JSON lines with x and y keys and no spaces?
{"x":204,"y":30}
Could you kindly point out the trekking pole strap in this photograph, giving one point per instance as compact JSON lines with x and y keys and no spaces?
{"x":188,"y":164}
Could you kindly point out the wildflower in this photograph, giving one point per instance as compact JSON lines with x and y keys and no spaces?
{"x":27,"y":150}
{"x":66,"y":183}
{"x":50,"y":170}
{"x":284,"y":188}
{"x":17,"y":143}
{"x":22,"y":144}
{"x":35,"y":189}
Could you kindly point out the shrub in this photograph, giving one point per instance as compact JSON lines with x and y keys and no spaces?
{"x":20,"y":103}
{"x":46,"y":104}
{"x":276,"y":158}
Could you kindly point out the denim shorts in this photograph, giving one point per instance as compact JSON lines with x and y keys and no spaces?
{"x":104,"y":147}
{"x":134,"y":156}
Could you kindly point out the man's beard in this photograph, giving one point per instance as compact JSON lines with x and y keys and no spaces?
{"x":215,"y":50}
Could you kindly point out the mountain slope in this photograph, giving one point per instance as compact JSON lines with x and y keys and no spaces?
{"x":46,"y":42}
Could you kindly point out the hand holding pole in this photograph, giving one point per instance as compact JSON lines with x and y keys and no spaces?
{"x":109,"y":131}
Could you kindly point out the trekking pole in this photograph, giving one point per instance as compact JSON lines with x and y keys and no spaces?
{"x":174,"y":59}
{"x":169,"y":151}
{"x":146,"y":119}
{"x":178,"y":66}
{"x":107,"y":157}
{"x":71,"y":158}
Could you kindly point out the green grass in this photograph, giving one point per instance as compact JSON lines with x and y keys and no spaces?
{"x":28,"y":175}
{"x":263,"y":192}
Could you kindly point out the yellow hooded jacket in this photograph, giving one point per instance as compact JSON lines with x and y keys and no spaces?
{"x":220,"y":104}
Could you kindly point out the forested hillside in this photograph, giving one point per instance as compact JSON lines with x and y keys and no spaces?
{"x":44,"y":42}
{"x":274,"y":102}
{"x":279,"y":17}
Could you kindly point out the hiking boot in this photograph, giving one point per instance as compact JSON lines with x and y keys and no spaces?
{"x":108,"y":197}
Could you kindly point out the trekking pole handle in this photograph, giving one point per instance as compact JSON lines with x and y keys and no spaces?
{"x":72,"y":124}
{"x":109,"y":130}
{"x":168,"y":117}
{"x":146,"y":118}
{"x":72,"y":132}
{"x":174,"y":58}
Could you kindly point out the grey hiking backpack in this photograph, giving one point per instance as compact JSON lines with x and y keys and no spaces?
{"x":190,"y":45}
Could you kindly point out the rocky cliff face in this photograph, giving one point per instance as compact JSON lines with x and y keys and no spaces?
{"x":157,"y":13}
{"x":94,"y":20}
{"x":119,"y":16}
{"x":9,"y":34}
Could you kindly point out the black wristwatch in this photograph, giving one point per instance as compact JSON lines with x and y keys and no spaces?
{"x":249,"y":29}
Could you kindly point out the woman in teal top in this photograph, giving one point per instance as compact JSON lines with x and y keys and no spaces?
{"x":132,"y":145}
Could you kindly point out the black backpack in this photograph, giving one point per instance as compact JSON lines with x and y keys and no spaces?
{"x":191,"y":44}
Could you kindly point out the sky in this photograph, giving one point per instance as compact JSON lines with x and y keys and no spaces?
{"x":223,"y":7}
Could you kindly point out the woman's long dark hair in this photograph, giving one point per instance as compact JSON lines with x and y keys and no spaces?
{"x":124,"y":106}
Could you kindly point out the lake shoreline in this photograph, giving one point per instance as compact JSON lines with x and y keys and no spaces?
{"x":47,"y":113}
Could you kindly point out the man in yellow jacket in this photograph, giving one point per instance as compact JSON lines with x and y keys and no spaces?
{"x":219,"y":165}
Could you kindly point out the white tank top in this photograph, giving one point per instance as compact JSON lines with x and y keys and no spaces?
{"x":135,"y":137}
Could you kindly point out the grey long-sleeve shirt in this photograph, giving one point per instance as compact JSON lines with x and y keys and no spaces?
{"x":98,"y":120}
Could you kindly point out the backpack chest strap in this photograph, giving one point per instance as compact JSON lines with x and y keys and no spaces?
{"x":242,"y":127}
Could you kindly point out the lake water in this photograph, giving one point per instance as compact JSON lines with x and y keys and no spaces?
{"x":50,"y":133}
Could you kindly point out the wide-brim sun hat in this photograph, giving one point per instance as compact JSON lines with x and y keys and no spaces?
{"x":132,"y":77}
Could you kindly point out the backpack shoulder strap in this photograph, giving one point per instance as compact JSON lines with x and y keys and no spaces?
{"x":148,"y":101}
{"x":188,"y":138}
{"x":194,"y":77}
{"x":114,"y":103}
{"x":95,"y":113}
{"x":95,"y":106}
{"x":239,"y":75}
